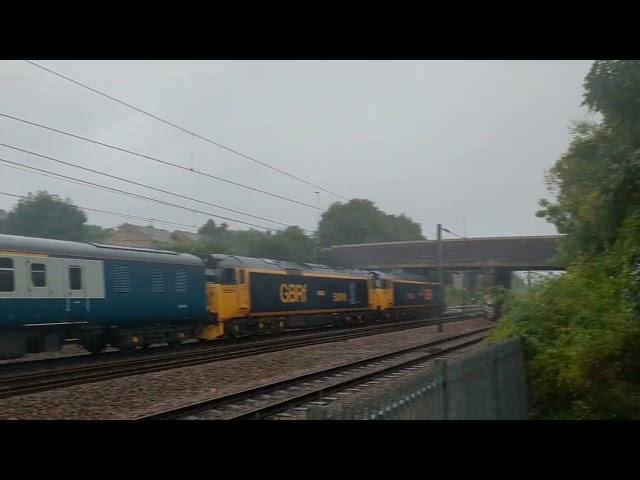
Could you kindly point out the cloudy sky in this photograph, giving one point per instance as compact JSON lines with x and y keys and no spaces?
{"x":463,"y":143}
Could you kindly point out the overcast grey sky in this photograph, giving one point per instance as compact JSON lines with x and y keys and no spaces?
{"x":436,"y":140}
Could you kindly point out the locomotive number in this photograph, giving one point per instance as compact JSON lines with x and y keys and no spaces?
{"x":411,"y":296}
{"x":293,"y":293}
{"x":340,"y":297}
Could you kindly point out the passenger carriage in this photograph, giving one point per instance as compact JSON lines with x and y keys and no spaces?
{"x":51,"y":290}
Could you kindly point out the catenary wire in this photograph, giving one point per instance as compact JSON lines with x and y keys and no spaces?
{"x":116,"y":190}
{"x":164,"y":162}
{"x":201,"y":137}
{"x":63,"y":162}
{"x":124,"y":215}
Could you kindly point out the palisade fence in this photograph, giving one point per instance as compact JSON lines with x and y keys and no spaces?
{"x":487,"y":384}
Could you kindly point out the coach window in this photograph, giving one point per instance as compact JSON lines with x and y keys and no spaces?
{"x":39,"y":274}
{"x":7,"y":283}
{"x":75,"y":278}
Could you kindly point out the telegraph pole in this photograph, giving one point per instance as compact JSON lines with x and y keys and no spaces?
{"x":440,"y":279}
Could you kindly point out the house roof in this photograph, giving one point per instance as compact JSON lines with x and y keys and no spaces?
{"x":184,"y":234}
{"x":156,"y":234}
{"x":161,"y":235}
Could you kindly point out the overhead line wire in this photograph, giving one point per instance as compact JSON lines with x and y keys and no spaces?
{"x":165,"y":162}
{"x":140,"y":184}
{"x":124,"y":215}
{"x":167,"y":122}
{"x":116,"y":190}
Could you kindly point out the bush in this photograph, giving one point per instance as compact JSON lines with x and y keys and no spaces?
{"x":582,"y":336}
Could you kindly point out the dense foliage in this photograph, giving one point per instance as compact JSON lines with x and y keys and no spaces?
{"x":360,"y":221}
{"x":290,"y":244}
{"x":581,"y":331}
{"x":47,"y":216}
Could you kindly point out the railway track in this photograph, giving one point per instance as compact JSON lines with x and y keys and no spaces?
{"x":266,"y":400}
{"x":117,"y":355}
{"x":22,"y":383}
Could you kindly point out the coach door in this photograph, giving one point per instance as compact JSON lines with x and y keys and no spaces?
{"x":243,"y":291}
{"x":76,"y":298}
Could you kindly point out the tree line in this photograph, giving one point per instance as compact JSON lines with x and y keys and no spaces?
{"x":358,"y":221}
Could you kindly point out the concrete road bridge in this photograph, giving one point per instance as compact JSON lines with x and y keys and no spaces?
{"x":494,"y":258}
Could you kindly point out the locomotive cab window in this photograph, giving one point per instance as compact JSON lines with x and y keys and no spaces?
{"x":228,"y":276}
{"x":38,"y":274}
{"x":241,"y":276}
{"x":211,"y":275}
{"x":75,"y":278}
{"x":7,"y":282}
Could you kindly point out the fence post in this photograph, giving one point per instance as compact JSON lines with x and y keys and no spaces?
{"x":495,"y":379}
{"x":442,"y":364}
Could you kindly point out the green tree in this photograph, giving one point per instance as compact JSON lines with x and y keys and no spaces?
{"x":581,"y":330}
{"x":597,"y":182}
{"x":298,"y":247}
{"x":360,"y":221}
{"x":46,"y":216}
{"x":211,"y":230}
{"x":291,"y":244}
{"x":96,"y":233}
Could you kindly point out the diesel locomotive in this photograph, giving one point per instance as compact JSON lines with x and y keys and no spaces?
{"x":53,"y":290}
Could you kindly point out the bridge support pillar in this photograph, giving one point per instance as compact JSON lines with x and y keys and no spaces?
{"x":497,"y":276}
{"x":470,"y":282}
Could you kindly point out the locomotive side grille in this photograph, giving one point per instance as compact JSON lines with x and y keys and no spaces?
{"x":121,"y":279}
{"x":181,"y":281}
{"x":158,"y":281}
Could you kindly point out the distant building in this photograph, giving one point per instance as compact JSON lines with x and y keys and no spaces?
{"x":138,"y":236}
{"x":182,"y":235}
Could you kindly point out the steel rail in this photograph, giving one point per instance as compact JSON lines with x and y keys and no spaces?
{"x":292,"y":398}
{"x":34,"y":382}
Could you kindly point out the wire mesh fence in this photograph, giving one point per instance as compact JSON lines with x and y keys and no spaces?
{"x":487,"y":384}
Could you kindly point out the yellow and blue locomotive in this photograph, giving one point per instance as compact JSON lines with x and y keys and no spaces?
{"x":247,"y":295}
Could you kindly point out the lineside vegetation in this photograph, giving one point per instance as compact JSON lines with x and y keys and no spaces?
{"x":581,"y":330}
